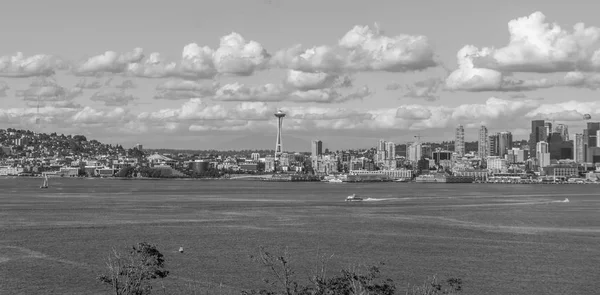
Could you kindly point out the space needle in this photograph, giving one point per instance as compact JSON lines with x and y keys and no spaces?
{"x":278,"y":148}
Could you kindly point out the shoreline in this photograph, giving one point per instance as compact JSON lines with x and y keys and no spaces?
{"x":270,"y":179}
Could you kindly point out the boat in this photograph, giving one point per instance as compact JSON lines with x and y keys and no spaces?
{"x":353,"y":198}
{"x":335,"y":180}
{"x":45,"y":183}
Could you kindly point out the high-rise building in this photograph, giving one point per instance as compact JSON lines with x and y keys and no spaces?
{"x":139,"y":147}
{"x":390,"y":150}
{"x":548,"y":127}
{"x":482,"y":144}
{"x":543,"y":156}
{"x":579,"y":148}
{"x":459,"y":142}
{"x":414,"y":152}
{"x":278,"y":143}
{"x":505,"y":143}
{"x":493,"y":145}
{"x":592,"y":130}
{"x":316,"y":148}
{"x":563,"y":130}
{"x":598,"y":138}
{"x":538,"y":133}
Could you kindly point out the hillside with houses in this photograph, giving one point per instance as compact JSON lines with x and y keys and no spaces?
{"x":26,"y":153}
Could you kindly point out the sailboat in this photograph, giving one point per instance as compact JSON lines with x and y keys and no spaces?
{"x":45,"y":183}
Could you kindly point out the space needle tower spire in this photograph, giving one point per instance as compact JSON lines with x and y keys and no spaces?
{"x":278,"y":145}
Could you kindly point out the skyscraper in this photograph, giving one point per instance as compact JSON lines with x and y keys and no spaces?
{"x":316,"y":148}
{"x":504,"y":143}
{"x":548,"y":127}
{"x":579,"y":148}
{"x":459,"y":142}
{"x":538,"y":133}
{"x":493,"y":145}
{"x":592,"y":129}
{"x":543,"y":155}
{"x":482,"y":144}
{"x":390,"y":150}
{"x":278,"y":143}
{"x":563,"y":130}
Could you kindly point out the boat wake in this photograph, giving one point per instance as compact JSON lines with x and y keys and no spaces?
{"x":378,"y":199}
{"x":566,"y":200}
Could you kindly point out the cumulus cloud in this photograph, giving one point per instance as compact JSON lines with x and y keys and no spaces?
{"x":84,"y":84}
{"x":19,"y":66}
{"x":426,"y":89}
{"x":177,"y":90}
{"x":535,"y":46}
{"x":47,"y":90}
{"x":361,"y":49}
{"x":279,"y":92}
{"x":113,"y":98}
{"x":3,"y":88}
{"x":234,"y":56}
{"x":108,"y":62}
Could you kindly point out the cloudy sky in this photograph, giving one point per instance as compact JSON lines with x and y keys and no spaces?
{"x":210,"y":74}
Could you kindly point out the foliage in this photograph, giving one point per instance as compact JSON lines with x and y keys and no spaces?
{"x":126,"y":172}
{"x":130,"y":274}
{"x":358,"y":281}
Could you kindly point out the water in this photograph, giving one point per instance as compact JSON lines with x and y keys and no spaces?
{"x":500,"y":239}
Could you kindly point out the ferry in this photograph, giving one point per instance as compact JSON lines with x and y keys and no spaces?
{"x":353,"y":198}
{"x":335,"y":180}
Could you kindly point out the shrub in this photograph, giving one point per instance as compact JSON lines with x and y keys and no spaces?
{"x":130,"y":274}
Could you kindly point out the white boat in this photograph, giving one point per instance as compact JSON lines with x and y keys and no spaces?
{"x":335,"y":180}
{"x":45,"y":183}
{"x":353,"y":198}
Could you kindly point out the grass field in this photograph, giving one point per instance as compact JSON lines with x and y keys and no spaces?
{"x":500,"y":239}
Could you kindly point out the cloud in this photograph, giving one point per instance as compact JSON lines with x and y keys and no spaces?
{"x":108,"y":62}
{"x":361,"y":49}
{"x":177,"y":90}
{"x":426,"y":89}
{"x":126,"y":84}
{"x":279,"y":92}
{"x":46,"y":90}
{"x":234,"y":56}
{"x":537,"y":46}
{"x":84,"y":84}
{"x":113,"y":98}
{"x":470,"y":78}
{"x":196,"y":115}
{"x":3,"y":88}
{"x":19,"y":66}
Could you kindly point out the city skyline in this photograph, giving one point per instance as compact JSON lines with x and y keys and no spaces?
{"x":221,"y":70}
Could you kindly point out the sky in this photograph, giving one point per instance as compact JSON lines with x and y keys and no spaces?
{"x":211,"y":74}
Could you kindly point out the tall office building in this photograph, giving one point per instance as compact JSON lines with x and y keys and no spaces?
{"x":493,"y":145}
{"x":505,"y":143}
{"x":538,"y":133}
{"x":579,"y":148}
{"x":316,"y":148}
{"x":563,"y":130}
{"x":592,"y":131}
{"x":459,"y":142}
{"x":548,"y":127}
{"x":390,"y":150}
{"x":482,"y":145}
{"x":543,"y":156}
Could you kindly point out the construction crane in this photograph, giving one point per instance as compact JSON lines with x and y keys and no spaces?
{"x":418,"y":137}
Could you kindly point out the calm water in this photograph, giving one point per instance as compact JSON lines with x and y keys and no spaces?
{"x":499,"y":239}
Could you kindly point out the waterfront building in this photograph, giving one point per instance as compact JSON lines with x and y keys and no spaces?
{"x":459,"y":141}
{"x":505,"y":142}
{"x":543,"y":156}
{"x":538,"y":133}
{"x":316,"y":148}
{"x":482,"y":144}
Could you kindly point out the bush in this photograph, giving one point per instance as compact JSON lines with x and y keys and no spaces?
{"x":129,"y":274}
